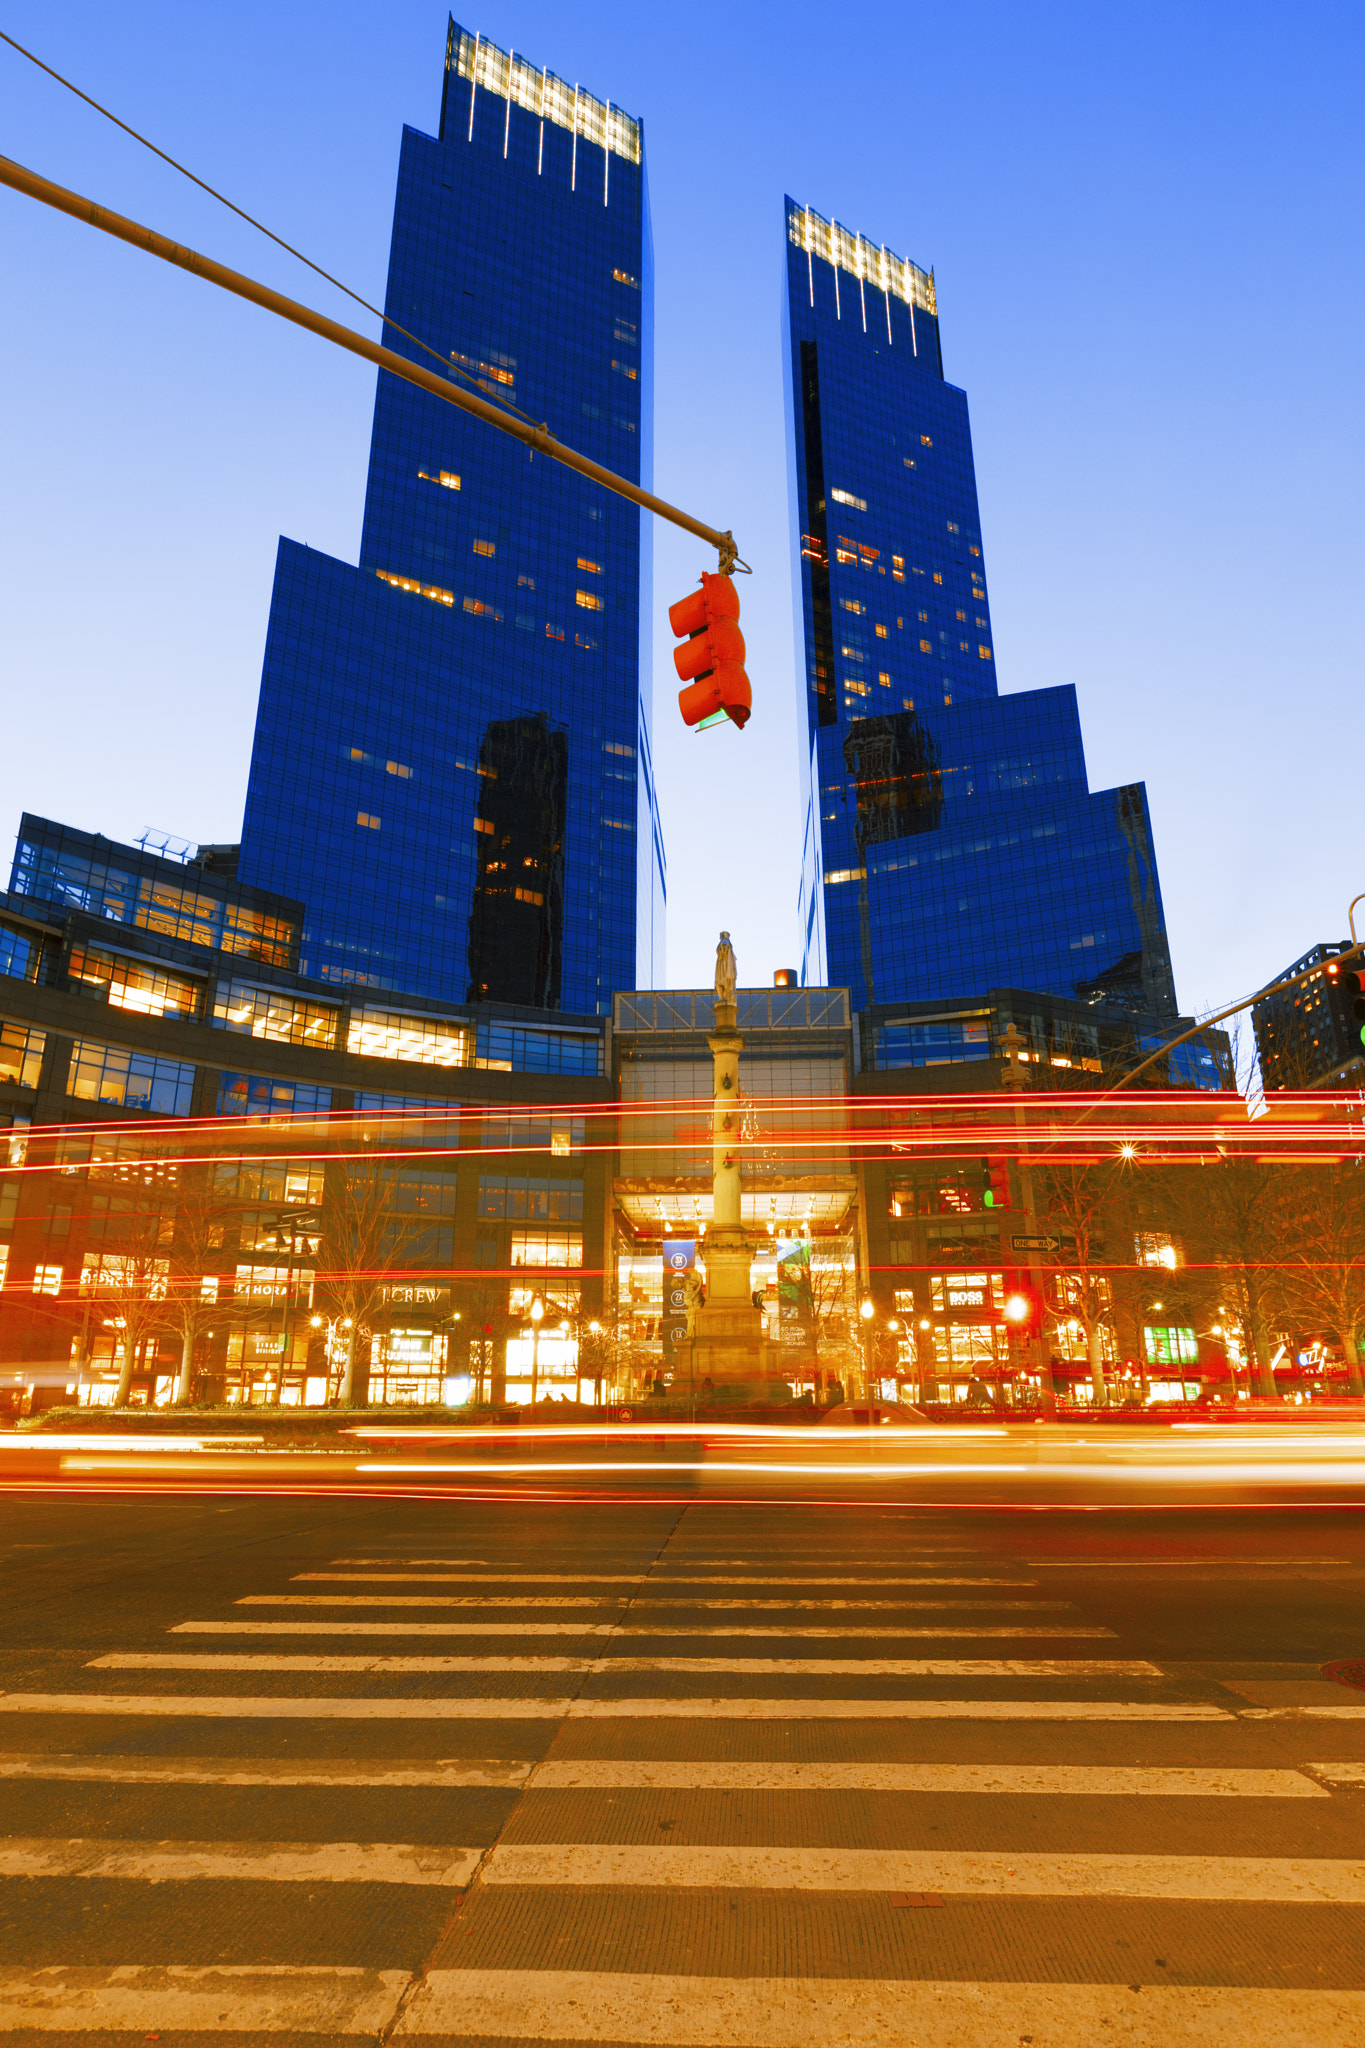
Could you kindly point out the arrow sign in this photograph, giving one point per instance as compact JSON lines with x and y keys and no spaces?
{"x":1043,"y":1244}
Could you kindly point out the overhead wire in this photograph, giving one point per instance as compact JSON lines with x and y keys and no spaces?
{"x":451,"y":368}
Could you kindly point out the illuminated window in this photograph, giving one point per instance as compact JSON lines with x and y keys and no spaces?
{"x":617,"y":747}
{"x":984,"y":652}
{"x":390,"y":1035}
{"x":129,"y":1080}
{"x":553,"y":632}
{"x":925,"y":647}
{"x":925,"y":442}
{"x":21,"y":1053}
{"x":882,"y":633}
{"x":589,"y":601}
{"x":130,"y":984}
{"x":909,"y":461}
{"x":208,"y":1287}
{"x":884,"y":679}
{"x":850,"y":653}
{"x":624,"y":277}
{"x":4,"y":1262}
{"x":854,"y":686}
{"x":973,"y":551}
{"x":274,"y":1014}
{"x":851,"y":604}
{"x":592,"y":568}
{"x":963,"y":647}
{"x":846,"y":875}
{"x":1155,"y":1248}
{"x":625,"y":370}
{"x":937,"y":577}
{"x":923,"y":618}
{"x":368,"y":820}
{"x":398,"y":768}
{"x":952,"y":528}
{"x":961,"y":615}
{"x":47,"y":1279}
{"x":529,"y":895}
{"x":526,"y":583}
{"x":547,"y":1248}
{"x":1170,"y":1345}
{"x":431,"y":590}
{"x":847,"y":498}
{"x":444,"y":476}
{"x":485,"y":547}
{"x":479,"y":610}
{"x":983,"y":622}
{"x":846,"y":554}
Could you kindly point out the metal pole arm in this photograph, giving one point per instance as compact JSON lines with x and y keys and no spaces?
{"x":20,"y":179}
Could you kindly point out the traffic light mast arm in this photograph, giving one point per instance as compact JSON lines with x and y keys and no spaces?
{"x":20,"y":179}
{"x":1274,"y":988}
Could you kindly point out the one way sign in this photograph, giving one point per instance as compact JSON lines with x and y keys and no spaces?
{"x":1043,"y":1244}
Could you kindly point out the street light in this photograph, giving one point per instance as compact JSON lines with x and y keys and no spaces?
{"x":867,"y":1310}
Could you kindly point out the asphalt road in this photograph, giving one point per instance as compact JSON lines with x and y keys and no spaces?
{"x":692,"y":1772}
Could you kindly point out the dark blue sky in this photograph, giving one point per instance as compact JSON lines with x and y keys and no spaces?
{"x":1145,"y":225}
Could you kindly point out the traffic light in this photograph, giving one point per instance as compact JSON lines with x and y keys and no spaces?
{"x":996,"y":1174}
{"x":712,"y":662}
{"x":1353,"y":987}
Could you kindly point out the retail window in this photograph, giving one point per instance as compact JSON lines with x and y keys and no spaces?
{"x":130,"y":984}
{"x":47,"y":1279}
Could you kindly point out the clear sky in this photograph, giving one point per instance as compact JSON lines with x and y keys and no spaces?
{"x":1146,"y":227}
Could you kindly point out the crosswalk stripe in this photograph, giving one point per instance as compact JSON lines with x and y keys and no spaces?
{"x":976,"y":1631}
{"x":424,"y":1628}
{"x":1343,"y":1713}
{"x":281,"y":1707}
{"x":850,"y":1578}
{"x":658,"y":2011}
{"x":310,"y":1998}
{"x":1161,"y":1564}
{"x":1280,"y":1880}
{"x":638,"y":1602}
{"x":248,"y":1770}
{"x":120,"y":1660}
{"x":1339,"y":1774}
{"x":798,"y":1667}
{"x":665,"y":1708}
{"x":271,"y":1862}
{"x":1069,"y":1780}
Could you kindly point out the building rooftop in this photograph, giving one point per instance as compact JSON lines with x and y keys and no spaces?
{"x":541,"y":93}
{"x":872,"y":262}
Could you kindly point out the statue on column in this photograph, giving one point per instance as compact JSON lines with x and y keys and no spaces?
{"x":725,"y":970}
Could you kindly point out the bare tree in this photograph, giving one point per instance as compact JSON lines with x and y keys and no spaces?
{"x":1320,"y":1278}
{"x":366,"y":1240}
{"x":129,"y":1274}
{"x":1078,"y":1202}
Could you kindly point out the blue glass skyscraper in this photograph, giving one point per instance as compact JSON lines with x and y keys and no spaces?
{"x":452,"y":755}
{"x":952,"y":842}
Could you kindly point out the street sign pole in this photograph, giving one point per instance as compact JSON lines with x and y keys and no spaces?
{"x":1030,"y":1240}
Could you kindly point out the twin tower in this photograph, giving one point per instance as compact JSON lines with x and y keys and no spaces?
{"x":453,"y":760}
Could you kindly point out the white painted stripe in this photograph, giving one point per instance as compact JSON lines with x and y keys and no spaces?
{"x":269,"y":1862}
{"x":229,"y":1707}
{"x":858,"y":1631}
{"x":252,"y":1770}
{"x":640,"y":1602}
{"x":279,"y":1707}
{"x":176,"y":1661}
{"x":1281,"y":1880}
{"x":657,"y":2011}
{"x":849,"y":1579}
{"x":1348,"y":1713}
{"x":798,"y":1667}
{"x":894,"y":1667}
{"x":665,"y":1708}
{"x":555,"y":1600}
{"x":471,"y":1578}
{"x":439,"y":1628}
{"x":1339,"y":1774}
{"x":1161,"y":1564}
{"x":645,"y":1601}
{"x":225,"y":1998}
{"x":1069,"y":1780}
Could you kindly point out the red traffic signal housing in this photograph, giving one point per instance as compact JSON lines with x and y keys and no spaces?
{"x":712,"y":662}
{"x":996,"y":1193}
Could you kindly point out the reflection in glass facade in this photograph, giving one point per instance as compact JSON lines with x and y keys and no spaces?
{"x":952,"y":842}
{"x":452,"y":756}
